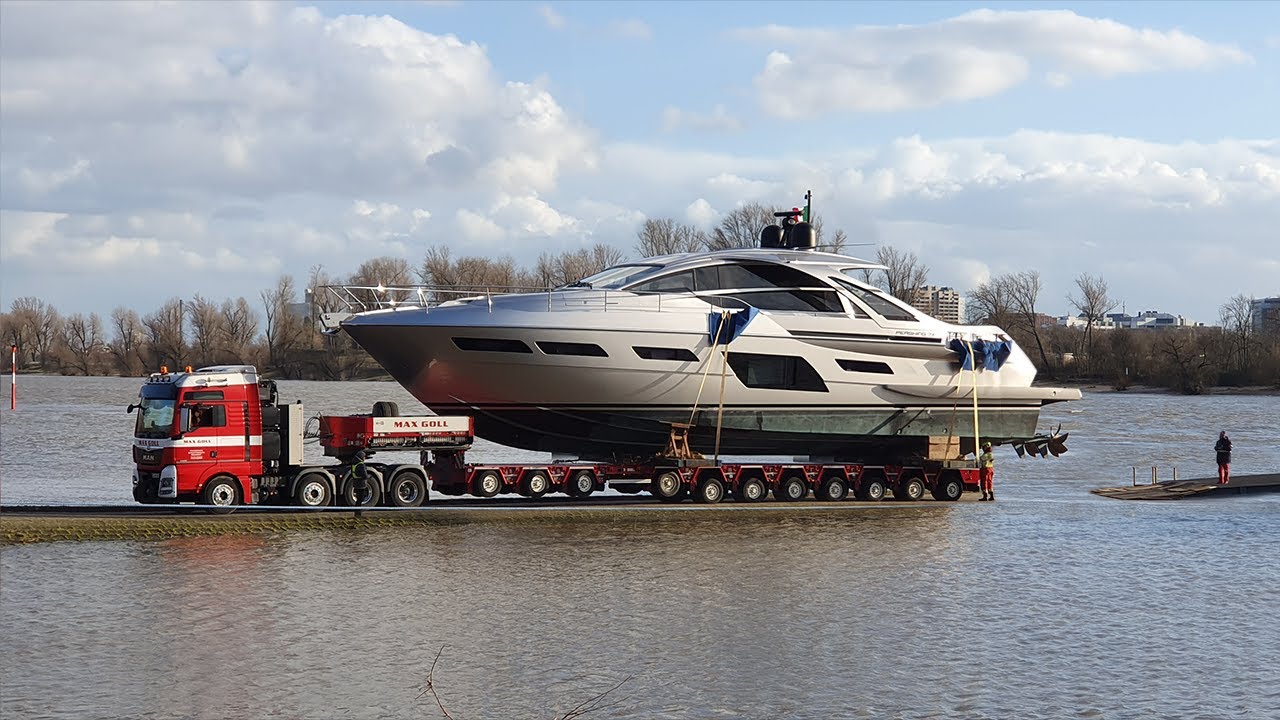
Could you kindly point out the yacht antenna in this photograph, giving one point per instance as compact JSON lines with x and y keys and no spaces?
{"x":808,"y":206}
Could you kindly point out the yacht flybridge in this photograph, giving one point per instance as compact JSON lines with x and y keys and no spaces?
{"x":776,"y":350}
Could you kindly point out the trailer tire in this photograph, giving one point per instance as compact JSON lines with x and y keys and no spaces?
{"x":909,"y":490}
{"x":407,"y":489}
{"x":535,"y":484}
{"x":581,"y":483}
{"x":386,"y":408}
{"x":752,"y":489}
{"x":374,"y":483}
{"x":710,"y":491}
{"x":833,"y":489}
{"x":312,"y":490}
{"x":667,"y":486}
{"x":872,"y":489}
{"x":790,"y":489}
{"x":949,"y":488}
{"x":221,"y":494}
{"x":486,"y":484}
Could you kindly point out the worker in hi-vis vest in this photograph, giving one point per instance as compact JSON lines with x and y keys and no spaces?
{"x":986,"y":468}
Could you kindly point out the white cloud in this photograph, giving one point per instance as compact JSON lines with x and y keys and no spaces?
{"x":701,"y":214}
{"x":718,"y":120}
{"x":977,"y":54}
{"x":632,"y":28}
{"x":551,"y":18}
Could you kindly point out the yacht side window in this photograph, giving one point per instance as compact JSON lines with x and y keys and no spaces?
{"x":885,"y":306}
{"x":677,"y":282}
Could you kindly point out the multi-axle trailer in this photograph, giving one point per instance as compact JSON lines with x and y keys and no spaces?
{"x":218,"y":436}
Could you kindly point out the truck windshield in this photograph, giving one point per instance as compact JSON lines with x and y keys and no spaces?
{"x":155,"y":417}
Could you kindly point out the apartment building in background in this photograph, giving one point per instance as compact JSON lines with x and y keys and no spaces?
{"x":943,"y":303}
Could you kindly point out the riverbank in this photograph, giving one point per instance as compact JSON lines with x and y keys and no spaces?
{"x":1093,"y":387}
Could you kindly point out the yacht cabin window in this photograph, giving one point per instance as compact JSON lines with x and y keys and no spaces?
{"x":761,"y":285}
{"x":615,"y":277}
{"x":885,"y":306}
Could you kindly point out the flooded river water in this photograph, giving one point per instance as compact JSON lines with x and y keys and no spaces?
{"x":1049,"y":603}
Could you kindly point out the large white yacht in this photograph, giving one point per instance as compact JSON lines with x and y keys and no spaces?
{"x":812,"y":361}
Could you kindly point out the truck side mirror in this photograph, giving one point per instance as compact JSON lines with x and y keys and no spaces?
{"x":131,"y":408}
{"x":190,"y":419}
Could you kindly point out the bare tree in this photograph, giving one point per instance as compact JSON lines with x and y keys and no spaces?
{"x":741,"y":227}
{"x":166,"y":334}
{"x":207,"y":329}
{"x":1093,"y":304}
{"x":239,"y":330}
{"x":573,"y":265}
{"x":440,"y":270}
{"x":285,"y":330}
{"x":39,"y":327}
{"x":664,"y":236}
{"x":1236,"y":316}
{"x":384,"y":272}
{"x":990,"y":303}
{"x":82,"y":337}
{"x":1024,"y":294}
{"x":1187,"y":358}
{"x":127,"y":347}
{"x":903,"y":275}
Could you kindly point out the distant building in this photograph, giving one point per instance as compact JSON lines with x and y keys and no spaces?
{"x":943,"y":303}
{"x":1145,"y":320}
{"x":1264,"y":315}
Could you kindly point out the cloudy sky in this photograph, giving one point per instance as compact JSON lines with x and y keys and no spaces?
{"x":156,"y":150}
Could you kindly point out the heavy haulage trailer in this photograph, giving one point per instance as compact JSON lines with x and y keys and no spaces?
{"x":218,"y":436}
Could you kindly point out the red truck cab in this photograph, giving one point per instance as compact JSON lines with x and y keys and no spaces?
{"x":198,"y":436}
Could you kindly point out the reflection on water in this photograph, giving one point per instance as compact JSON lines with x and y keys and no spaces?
{"x":1050,"y":603}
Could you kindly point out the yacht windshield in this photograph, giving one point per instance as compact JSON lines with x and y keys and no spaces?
{"x":887,"y":307}
{"x":615,"y":277}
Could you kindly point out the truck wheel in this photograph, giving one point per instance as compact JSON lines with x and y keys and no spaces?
{"x":752,"y":490}
{"x":833,"y":488}
{"x":486,"y":484}
{"x":710,"y":491}
{"x":312,"y":490}
{"x":949,"y":489}
{"x":407,"y":489}
{"x":373,"y":495}
{"x":582,"y":483}
{"x":909,"y":490}
{"x":872,"y":489}
{"x":535,"y":484}
{"x":221,"y":493}
{"x":668,"y":487}
{"x":791,"y":488}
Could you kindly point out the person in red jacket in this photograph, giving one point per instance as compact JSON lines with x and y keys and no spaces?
{"x":1223,"y":448}
{"x":986,"y":465}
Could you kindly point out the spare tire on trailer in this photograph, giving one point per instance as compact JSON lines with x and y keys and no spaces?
{"x":386,"y":408}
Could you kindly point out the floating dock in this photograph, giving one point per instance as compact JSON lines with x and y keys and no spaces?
{"x":1197,"y":488}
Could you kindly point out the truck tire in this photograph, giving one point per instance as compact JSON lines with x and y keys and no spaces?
{"x":386,"y":408}
{"x":872,"y":489}
{"x":949,"y":488}
{"x":710,"y":491}
{"x":667,"y":486}
{"x":486,"y":484}
{"x":312,"y":490}
{"x":535,"y":484}
{"x":833,"y":489}
{"x":407,"y":489}
{"x":221,"y":493}
{"x":581,"y":483}
{"x":751,"y":489}
{"x":374,"y":493}
{"x":909,"y":490}
{"x":790,"y":489}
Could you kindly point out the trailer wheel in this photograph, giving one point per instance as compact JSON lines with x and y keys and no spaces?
{"x":373,"y":495}
{"x":710,"y":491}
{"x":910,"y":489}
{"x":486,"y":484}
{"x":312,"y":490}
{"x":949,"y":488}
{"x":668,"y":487}
{"x":791,"y":488}
{"x":872,"y":489}
{"x":221,"y":493}
{"x":407,"y":489}
{"x":752,"y":489}
{"x":536,"y":484}
{"x":833,"y":488}
{"x":582,"y":483}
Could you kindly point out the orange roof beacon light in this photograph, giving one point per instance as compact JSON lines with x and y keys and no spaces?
{"x":164,"y":369}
